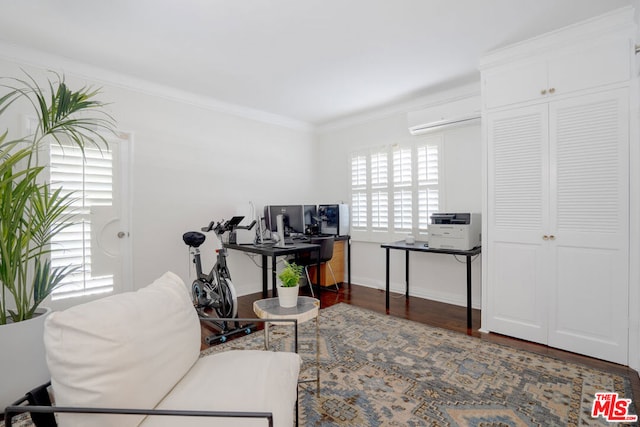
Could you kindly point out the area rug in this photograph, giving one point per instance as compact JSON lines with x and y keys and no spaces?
{"x":379,"y":370}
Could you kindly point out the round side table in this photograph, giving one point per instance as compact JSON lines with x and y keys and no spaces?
{"x":307,"y":308}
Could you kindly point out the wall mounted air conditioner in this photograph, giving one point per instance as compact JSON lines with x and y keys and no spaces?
{"x":459,"y":112}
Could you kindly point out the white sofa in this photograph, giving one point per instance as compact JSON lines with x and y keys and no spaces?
{"x":141,"y":350}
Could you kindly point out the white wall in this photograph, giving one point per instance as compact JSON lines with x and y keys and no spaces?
{"x":193,"y":164}
{"x":438,"y":277}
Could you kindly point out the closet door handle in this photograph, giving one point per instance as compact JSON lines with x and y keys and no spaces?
{"x":552,"y":237}
{"x":552,"y":90}
{"x":543,"y":92}
{"x":545,"y":237}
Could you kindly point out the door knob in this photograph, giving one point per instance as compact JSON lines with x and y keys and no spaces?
{"x":545,"y":237}
{"x":121,"y":234}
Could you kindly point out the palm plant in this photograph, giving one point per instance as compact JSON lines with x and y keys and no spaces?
{"x":31,"y":212}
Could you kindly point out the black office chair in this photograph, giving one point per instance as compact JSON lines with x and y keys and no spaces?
{"x":326,"y":253}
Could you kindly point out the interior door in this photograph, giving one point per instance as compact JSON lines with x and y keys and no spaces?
{"x":518,"y":216}
{"x":588,"y":309}
{"x":98,"y":242}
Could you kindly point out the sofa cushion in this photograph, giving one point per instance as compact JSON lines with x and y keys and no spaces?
{"x":126,"y":350}
{"x":241,"y":380}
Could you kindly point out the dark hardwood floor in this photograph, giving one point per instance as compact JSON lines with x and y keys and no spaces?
{"x":441,"y":315}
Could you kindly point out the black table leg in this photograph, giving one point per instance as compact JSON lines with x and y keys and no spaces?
{"x":318,"y":270}
{"x":265,"y":280}
{"x":406,"y":274}
{"x":469,"y":292}
{"x":349,"y":260}
{"x":273,"y":275}
{"x":387,"y":280}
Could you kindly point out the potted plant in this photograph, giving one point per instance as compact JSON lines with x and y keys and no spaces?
{"x":32,"y":213}
{"x":289,"y":284}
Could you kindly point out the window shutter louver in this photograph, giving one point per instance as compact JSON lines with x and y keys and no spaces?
{"x":380,"y":210}
{"x":359,"y":172}
{"x":402,"y":167}
{"x":89,"y":180}
{"x":402,"y":194}
{"x":428,"y":201}
{"x":402,"y":210}
{"x":379,"y":191}
{"x":359,"y":191}
{"x":359,"y":209}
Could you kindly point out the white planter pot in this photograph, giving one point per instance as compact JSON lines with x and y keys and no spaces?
{"x":22,"y":360}
{"x":288,"y":297}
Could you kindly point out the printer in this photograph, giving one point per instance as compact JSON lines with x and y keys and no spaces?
{"x":459,"y":231}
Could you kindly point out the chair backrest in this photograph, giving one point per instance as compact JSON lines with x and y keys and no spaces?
{"x":326,"y":247}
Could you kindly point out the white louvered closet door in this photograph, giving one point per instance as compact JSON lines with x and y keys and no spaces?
{"x":518,"y":215}
{"x":588,"y":309}
{"x":558,"y":224}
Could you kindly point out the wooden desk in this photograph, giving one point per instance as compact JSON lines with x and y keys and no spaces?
{"x":341,"y":244}
{"x":274,"y":252}
{"x":423,"y":247}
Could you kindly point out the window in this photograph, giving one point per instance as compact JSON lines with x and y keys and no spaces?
{"x":395,"y":190}
{"x":379,"y":191}
{"x":428,"y":181}
{"x":359,"y":191}
{"x":90,"y":180}
{"x":402,"y":189}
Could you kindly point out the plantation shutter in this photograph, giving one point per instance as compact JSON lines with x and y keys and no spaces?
{"x":89,"y":179}
{"x":402,"y":191}
{"x":395,"y":189}
{"x":379,"y":190}
{"x":359,"y":191}
{"x":428,"y":196}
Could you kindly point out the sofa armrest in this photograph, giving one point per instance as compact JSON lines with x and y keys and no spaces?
{"x":13,"y":410}
{"x":38,"y":404}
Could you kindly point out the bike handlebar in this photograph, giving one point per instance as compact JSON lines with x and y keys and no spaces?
{"x":229,"y":225}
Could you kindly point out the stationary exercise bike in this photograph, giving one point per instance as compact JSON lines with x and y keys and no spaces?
{"x":215,"y":291}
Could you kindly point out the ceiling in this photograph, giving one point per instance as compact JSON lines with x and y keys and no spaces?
{"x":313,"y":61}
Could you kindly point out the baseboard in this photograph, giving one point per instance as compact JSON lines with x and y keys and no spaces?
{"x":446,"y":298}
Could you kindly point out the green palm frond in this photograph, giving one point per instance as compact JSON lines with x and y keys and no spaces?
{"x":31,"y":212}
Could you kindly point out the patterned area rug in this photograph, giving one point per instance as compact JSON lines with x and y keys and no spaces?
{"x":378,"y":370}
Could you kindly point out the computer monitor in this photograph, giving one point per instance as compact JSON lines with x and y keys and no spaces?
{"x":293,"y":218}
{"x":310,"y":215}
{"x":311,"y":220}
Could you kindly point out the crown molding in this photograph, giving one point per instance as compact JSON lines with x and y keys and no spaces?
{"x":431,"y":99}
{"x":618,"y":21}
{"x":48,"y":61}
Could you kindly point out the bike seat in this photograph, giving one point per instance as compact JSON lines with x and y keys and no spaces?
{"x":193,"y":238}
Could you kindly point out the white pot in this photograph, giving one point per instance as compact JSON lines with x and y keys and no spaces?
{"x":22,"y":360}
{"x":288,"y":297}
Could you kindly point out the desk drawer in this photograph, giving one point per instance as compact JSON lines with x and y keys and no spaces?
{"x":337,"y":264}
